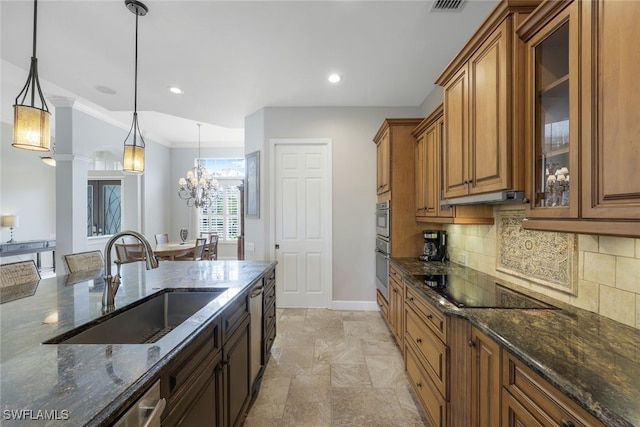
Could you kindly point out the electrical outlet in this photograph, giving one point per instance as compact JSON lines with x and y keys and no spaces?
{"x":462,"y":259}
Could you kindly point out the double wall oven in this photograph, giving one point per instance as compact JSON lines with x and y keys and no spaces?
{"x":383,"y":246}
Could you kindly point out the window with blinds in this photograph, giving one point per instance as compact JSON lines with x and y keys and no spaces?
{"x":223,"y":216}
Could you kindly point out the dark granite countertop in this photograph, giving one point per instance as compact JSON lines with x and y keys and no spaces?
{"x":87,"y":384}
{"x":594,"y":360}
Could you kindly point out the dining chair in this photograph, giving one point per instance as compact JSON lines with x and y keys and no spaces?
{"x":129,"y":240}
{"x":129,"y":252}
{"x":18,"y":273}
{"x":212,"y":236}
{"x":84,"y":261}
{"x":197,"y":252}
{"x":212,"y":248}
{"x":162,"y":238}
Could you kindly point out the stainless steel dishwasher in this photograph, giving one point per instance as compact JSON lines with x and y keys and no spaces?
{"x":255,"y":308}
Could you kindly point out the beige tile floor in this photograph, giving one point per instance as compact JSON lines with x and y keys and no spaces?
{"x":334,"y":368}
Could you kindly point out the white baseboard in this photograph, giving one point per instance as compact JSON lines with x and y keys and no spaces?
{"x":355,"y":305}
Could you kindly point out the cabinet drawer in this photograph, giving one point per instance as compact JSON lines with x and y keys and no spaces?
{"x":432,"y":402}
{"x":269,"y":317}
{"x":432,"y":317}
{"x":382,"y":303}
{"x":429,"y":348}
{"x":190,"y":360}
{"x":269,"y":295}
{"x":233,"y":315}
{"x":269,"y":338}
{"x":395,"y":274}
{"x":540,"y":398}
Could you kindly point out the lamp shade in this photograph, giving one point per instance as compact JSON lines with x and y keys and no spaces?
{"x":133,"y":159}
{"x":10,"y":221}
{"x":30,"y":128}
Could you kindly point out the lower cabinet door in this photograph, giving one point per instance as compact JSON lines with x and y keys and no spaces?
{"x":197,"y":400}
{"x":236,"y":369}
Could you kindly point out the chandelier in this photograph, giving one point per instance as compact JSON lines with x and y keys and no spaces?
{"x":199,"y":188}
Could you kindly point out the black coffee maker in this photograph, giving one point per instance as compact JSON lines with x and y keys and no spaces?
{"x":435,"y":246}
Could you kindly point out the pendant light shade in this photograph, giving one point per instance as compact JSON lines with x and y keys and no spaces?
{"x":133,"y":157}
{"x":31,"y":122}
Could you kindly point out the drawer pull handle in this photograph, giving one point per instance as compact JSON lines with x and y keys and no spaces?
{"x":472,"y":343}
{"x":419,"y":340}
{"x":565,"y":423}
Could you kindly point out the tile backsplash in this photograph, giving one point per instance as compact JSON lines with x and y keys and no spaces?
{"x":608,"y":279}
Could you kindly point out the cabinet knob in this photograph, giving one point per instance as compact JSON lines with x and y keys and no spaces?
{"x":419,"y":340}
{"x":419,"y":385}
{"x":429,"y":316}
{"x":411,"y":299}
{"x":472,"y":343}
{"x":565,"y":423}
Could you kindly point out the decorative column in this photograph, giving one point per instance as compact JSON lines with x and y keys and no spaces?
{"x":71,"y":186}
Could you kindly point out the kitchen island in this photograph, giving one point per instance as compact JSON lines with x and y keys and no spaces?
{"x":592,"y":360}
{"x":80,"y":384}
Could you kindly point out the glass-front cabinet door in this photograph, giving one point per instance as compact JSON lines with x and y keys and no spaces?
{"x":553,"y":114}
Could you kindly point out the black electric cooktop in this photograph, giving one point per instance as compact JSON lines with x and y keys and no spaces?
{"x":463,"y":293}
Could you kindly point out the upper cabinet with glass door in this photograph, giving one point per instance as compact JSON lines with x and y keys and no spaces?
{"x":552,"y":111}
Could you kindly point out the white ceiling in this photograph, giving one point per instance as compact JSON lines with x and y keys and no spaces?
{"x":231,"y":58}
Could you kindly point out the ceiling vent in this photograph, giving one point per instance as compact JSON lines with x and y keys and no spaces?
{"x":448,"y":5}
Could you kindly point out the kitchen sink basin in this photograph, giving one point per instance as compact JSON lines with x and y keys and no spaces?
{"x":142,"y":323}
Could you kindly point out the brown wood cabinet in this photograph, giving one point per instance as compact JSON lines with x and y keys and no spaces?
{"x":428,"y":160}
{"x":427,"y":357}
{"x":191,"y":383}
{"x":462,"y":377}
{"x":383,"y":157}
{"x":483,"y":118}
{"x":529,"y":400}
{"x":486,"y":368}
{"x":396,"y":305}
{"x":601,"y":64}
{"x":384,"y":306}
{"x":396,"y":183}
{"x":269,"y":315}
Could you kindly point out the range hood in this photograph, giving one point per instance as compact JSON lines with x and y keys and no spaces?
{"x":497,"y":198}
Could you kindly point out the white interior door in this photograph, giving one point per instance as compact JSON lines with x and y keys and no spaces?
{"x":302,"y":213}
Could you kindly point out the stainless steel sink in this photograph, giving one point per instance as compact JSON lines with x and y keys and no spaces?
{"x":142,"y":323}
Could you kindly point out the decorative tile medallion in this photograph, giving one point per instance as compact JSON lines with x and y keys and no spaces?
{"x":546,"y":258}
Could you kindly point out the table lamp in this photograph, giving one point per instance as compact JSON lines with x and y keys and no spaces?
{"x":10,"y":221}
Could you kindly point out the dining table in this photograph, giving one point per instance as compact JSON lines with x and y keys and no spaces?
{"x":170,"y":250}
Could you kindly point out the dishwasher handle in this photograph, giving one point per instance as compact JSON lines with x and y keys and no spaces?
{"x":257,"y":291}
{"x":154,"y":417}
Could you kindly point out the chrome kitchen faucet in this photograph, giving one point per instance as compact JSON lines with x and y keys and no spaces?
{"x":112,"y":283}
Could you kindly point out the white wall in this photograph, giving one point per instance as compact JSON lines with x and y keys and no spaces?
{"x":432,"y":101}
{"x":351,"y":131}
{"x":27,"y":189}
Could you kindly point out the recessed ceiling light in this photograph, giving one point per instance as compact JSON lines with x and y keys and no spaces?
{"x":334,"y":78}
{"x":175,"y":90}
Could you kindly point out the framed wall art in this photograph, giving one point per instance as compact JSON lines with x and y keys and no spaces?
{"x":252,"y":185}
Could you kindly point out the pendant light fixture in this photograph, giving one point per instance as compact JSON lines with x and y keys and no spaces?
{"x":199,"y":188}
{"x":133,"y":158}
{"x":31,"y":123}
